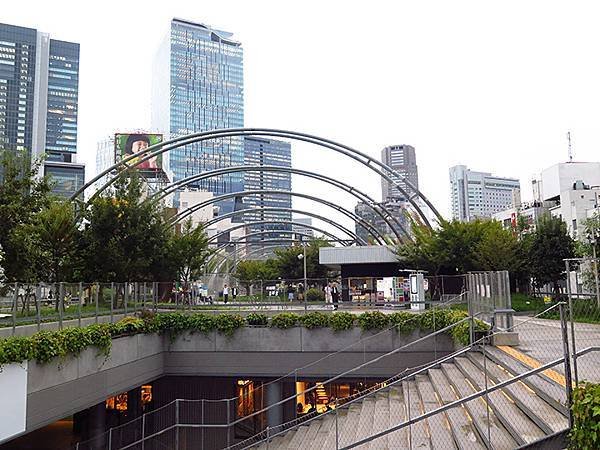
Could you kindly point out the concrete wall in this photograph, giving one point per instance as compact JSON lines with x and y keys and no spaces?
{"x":63,"y":387}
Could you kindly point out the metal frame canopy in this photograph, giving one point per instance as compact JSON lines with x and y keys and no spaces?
{"x":357,"y":219}
{"x":284,"y":222}
{"x":385,"y":171}
{"x":376,"y":207}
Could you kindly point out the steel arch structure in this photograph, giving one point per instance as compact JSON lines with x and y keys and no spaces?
{"x":369,"y":201}
{"x":235,"y":264}
{"x":357,"y":219}
{"x":378,"y":167}
{"x":260,"y":222}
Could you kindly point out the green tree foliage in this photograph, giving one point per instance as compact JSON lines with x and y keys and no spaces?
{"x":187,"y":252}
{"x":125,"y":238}
{"x":550,"y":244}
{"x":290,"y":266}
{"x":23,"y":194}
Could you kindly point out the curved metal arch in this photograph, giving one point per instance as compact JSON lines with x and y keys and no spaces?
{"x":222,"y":263}
{"x":358,"y":156}
{"x":291,"y":210}
{"x":254,"y":252}
{"x":261,"y":222}
{"x":369,"y":201}
{"x":190,"y":210}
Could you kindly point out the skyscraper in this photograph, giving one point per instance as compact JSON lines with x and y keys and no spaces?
{"x":39,"y":87}
{"x":480,"y":194}
{"x":402,"y":159}
{"x":268,"y":152}
{"x":198,"y":86}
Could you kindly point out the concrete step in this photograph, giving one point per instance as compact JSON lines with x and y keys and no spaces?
{"x":349,"y":426}
{"x":418,"y":434}
{"x":484,"y":419}
{"x":545,"y":416}
{"x":521,"y":427}
{"x":299,"y":435}
{"x":465,"y":435}
{"x":551,"y":392}
{"x":365,"y":423}
{"x":314,"y":426}
{"x":329,"y":442}
{"x":439,"y":428}
{"x":397,"y":439}
{"x":381,"y":420}
{"x":326,"y":435}
{"x":287,"y":438}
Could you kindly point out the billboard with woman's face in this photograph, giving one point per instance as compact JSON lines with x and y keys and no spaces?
{"x":134,"y":143}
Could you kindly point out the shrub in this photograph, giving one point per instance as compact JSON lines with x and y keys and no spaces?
{"x":15,"y":349}
{"x":129,"y":325}
{"x":228,"y":323}
{"x":315,"y":295}
{"x":404,"y":322}
{"x":315,"y":320}
{"x":373,"y":320}
{"x":100,"y":337}
{"x":74,"y":340}
{"x":585,"y":433}
{"x":46,"y":345}
{"x":203,"y":323}
{"x":341,"y":321}
{"x":285,"y":320}
{"x":257,"y":319}
{"x":172,"y":323}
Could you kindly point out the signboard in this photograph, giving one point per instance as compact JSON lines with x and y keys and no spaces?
{"x":127,"y":144}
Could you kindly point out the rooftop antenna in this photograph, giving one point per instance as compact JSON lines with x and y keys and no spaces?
{"x":570,"y":148}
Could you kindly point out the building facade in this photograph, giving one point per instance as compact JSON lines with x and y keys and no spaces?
{"x":397,"y":208}
{"x":306,"y":229}
{"x":198,"y":86}
{"x":402,"y":159}
{"x":39,"y":93}
{"x":268,"y":152}
{"x":480,"y":194}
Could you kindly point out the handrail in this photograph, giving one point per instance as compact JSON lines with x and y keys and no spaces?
{"x":468,"y":398}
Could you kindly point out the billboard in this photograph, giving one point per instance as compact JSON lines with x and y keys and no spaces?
{"x":127,"y":144}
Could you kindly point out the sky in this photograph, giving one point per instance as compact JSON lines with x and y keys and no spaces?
{"x":492,"y":85}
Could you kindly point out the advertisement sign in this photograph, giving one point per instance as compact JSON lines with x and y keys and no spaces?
{"x":127,"y":144}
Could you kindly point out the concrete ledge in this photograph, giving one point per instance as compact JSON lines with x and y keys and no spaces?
{"x":510,"y":339}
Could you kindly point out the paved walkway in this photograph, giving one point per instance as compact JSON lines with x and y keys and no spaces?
{"x":541,"y":339}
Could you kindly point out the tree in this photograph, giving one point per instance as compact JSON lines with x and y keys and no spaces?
{"x":125,"y":239}
{"x":550,"y":245}
{"x":22,"y":195}
{"x":188,"y":252}
{"x":290,"y":266}
{"x":498,"y":249}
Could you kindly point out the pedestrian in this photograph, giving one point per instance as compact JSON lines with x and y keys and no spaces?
{"x":328,"y":297}
{"x":225,"y":293}
{"x":335,"y":295}
{"x":234,"y":292}
{"x":290,"y":292}
{"x":300,"y":291}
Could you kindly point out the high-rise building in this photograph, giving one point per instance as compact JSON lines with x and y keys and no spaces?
{"x":39,"y":87}
{"x":402,"y":159}
{"x":198,"y":86}
{"x":305,"y":228}
{"x":480,"y":194}
{"x":395,"y":207}
{"x":268,"y":152}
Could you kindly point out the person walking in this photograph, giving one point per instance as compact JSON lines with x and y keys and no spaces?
{"x":328,"y":297}
{"x":225,"y":293}
{"x":290,"y":292}
{"x":335,"y":295}
{"x":300,"y":292}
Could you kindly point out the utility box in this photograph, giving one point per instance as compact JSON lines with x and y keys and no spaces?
{"x":417,"y":292}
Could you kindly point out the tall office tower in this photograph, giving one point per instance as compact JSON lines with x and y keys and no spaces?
{"x":268,"y":152}
{"x":397,"y":208}
{"x":198,"y":86}
{"x":402,"y":159}
{"x":39,"y":85}
{"x":479,"y":194}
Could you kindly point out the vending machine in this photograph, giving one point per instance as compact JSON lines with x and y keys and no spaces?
{"x":417,"y":291}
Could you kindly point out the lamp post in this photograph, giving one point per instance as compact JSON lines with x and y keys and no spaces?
{"x":593,"y":237}
{"x":302,"y":256}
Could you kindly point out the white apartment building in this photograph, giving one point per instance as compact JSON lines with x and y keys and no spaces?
{"x":480,"y":194}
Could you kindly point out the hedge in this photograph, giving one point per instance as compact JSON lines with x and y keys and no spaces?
{"x":47,"y":345}
{"x":585,"y":434}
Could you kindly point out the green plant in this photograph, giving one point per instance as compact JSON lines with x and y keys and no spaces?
{"x":129,"y":325}
{"x":315,"y":320}
{"x":100,"y":337}
{"x":585,"y":434}
{"x":203,"y":323}
{"x":74,"y":340}
{"x":46,"y":345}
{"x":341,"y":321}
{"x":172,"y":323}
{"x":315,"y":295}
{"x":257,"y":319}
{"x":228,"y":323}
{"x":285,"y":320}
{"x":373,"y":320}
{"x":15,"y":349}
{"x":404,"y":322}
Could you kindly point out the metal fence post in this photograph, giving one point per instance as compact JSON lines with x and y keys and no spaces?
{"x":570,"y":297}
{"x":110,"y":438}
{"x":14,"y":308}
{"x":337,"y":434}
{"x":38,"y":306}
{"x":97,"y":286}
{"x":79,"y":304}
{"x":61,"y":302}
{"x":228,"y":423}
{"x":568,"y":379}
{"x":112,"y":301}
{"x":268,"y":435}
{"x":177,"y":424}
{"x":202,"y":434}
{"x":143,"y":431}
{"x":125,"y":286}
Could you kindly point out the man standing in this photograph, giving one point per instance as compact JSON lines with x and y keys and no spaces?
{"x":234,"y":292}
{"x":225,"y":293}
{"x":335,"y":295}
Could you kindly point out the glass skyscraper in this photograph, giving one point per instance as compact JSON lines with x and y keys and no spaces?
{"x":198,"y":86}
{"x":39,"y":85}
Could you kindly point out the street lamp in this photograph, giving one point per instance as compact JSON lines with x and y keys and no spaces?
{"x":302,"y":256}
{"x":593,"y":238}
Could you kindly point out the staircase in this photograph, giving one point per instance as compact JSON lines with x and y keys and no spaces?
{"x":520,"y":414}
